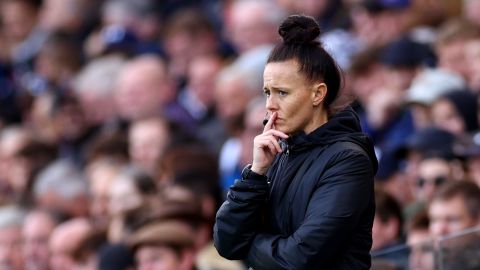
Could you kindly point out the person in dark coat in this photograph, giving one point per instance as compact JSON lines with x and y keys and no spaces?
{"x":307,"y":200}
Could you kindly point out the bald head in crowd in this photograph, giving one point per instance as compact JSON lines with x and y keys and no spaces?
{"x":143,"y":88}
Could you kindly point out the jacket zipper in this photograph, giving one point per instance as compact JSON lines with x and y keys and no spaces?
{"x":281,"y":164}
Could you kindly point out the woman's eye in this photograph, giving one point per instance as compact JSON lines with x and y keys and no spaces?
{"x":282,"y":93}
{"x":266,"y":93}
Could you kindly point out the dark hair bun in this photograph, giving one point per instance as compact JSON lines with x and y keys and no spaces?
{"x":299,"y":29}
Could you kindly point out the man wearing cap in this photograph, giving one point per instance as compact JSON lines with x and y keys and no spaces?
{"x":164,"y":245}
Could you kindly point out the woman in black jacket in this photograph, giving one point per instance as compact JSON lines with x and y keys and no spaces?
{"x":306,"y":201}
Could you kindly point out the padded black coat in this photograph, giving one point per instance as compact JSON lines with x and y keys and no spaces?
{"x":316,"y":210}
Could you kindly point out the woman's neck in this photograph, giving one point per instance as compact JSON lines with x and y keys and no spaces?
{"x":320,"y":117}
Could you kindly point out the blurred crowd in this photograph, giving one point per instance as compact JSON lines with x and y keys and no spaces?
{"x":124,"y":122}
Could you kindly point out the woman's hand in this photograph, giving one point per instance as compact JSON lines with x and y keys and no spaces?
{"x":266,"y":146}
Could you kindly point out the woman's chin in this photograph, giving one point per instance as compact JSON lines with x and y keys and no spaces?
{"x":283,"y":129}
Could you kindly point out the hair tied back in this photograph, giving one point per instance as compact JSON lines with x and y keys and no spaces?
{"x":299,"y":29}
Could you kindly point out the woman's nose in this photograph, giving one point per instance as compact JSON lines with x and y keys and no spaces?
{"x":271,"y":104}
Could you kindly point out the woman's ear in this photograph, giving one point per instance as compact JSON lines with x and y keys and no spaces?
{"x":319,"y":93}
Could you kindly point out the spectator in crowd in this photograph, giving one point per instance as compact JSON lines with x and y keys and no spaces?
{"x":376,"y":22}
{"x":456,"y":112}
{"x":145,"y":21}
{"x":56,"y":64}
{"x":433,"y":172}
{"x":12,"y":140}
{"x":61,"y":188}
{"x":252,"y":122}
{"x":64,"y":240}
{"x":472,"y":55}
{"x":180,"y":202}
{"x":58,"y":120}
{"x":94,"y":87}
{"x":392,"y":177}
{"x":241,"y":80}
{"x":37,"y":228}
{"x":198,"y":99}
{"x":330,"y":14}
{"x":252,"y":23}
{"x":108,"y":146}
{"x":145,"y":89}
{"x":11,"y":220}
{"x":387,"y":231}
{"x":100,"y":176}
{"x":471,"y":11}
{"x":10,"y":104}
{"x":454,"y":208}
{"x":72,"y":132}
{"x":139,"y":22}
{"x":26,"y":165}
{"x":450,"y":45}
{"x":420,"y":242}
{"x":115,"y":257}
{"x":427,"y":142}
{"x":188,"y":34}
{"x":147,"y":139}
{"x":69,"y":16}
{"x":40,"y":118}
{"x":23,"y":37}
{"x":196,"y":169}
{"x":85,"y":255}
{"x":403,"y":59}
{"x":164,"y":245}
{"x":428,"y":86}
{"x":469,"y":149}
{"x":130,"y":197}
{"x":364,"y":76}
{"x":386,"y":117}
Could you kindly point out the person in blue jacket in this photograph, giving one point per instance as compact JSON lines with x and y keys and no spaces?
{"x":307,"y":200}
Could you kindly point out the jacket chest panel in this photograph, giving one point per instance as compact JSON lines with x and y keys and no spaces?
{"x":291,"y":206}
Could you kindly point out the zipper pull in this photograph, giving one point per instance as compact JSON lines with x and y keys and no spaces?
{"x":285,"y":147}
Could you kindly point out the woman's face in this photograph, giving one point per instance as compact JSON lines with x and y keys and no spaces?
{"x":291,"y":96}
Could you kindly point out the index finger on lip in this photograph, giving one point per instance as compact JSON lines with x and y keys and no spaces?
{"x":270,"y":122}
{"x":277,"y":133}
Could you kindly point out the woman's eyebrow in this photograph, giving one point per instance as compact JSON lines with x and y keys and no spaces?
{"x":276,"y":88}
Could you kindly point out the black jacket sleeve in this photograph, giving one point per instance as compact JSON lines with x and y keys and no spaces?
{"x":333,"y":212}
{"x":238,"y":219}
{"x":343,"y":193}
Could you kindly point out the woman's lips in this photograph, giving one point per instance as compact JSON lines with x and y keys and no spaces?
{"x":277,"y":121}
